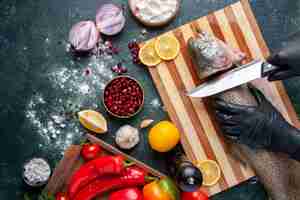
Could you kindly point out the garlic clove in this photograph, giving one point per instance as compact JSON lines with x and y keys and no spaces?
{"x":127,"y":137}
{"x":146,"y":123}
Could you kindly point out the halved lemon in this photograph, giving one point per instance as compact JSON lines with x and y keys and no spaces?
{"x":148,"y":55}
{"x":211,"y":171}
{"x":93,"y":121}
{"x":167,"y":47}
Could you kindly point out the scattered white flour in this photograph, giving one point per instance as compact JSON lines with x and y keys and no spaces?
{"x":155,"y":103}
{"x":75,"y":88}
{"x":84,"y":88}
{"x":47,"y":40}
{"x":68,"y":47}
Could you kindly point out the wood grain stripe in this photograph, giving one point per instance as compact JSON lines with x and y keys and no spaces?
{"x":237,"y":32}
{"x":230,"y":39}
{"x":171,"y":66}
{"x":204,"y":25}
{"x":226,"y":29}
{"x":288,"y":104}
{"x":256,"y":53}
{"x":194,"y":119}
{"x":239,"y":18}
{"x":185,"y":54}
{"x":255,"y":28}
{"x":201,"y":110}
{"x":177,"y":77}
{"x":181,"y":111}
{"x":265,"y":50}
{"x":172,"y":112}
{"x":214,"y":24}
{"x":236,"y":167}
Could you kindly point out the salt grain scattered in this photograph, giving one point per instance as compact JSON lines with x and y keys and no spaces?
{"x":84,"y":88}
{"x":68,"y":47}
{"x":47,"y":40}
{"x":155,"y":103}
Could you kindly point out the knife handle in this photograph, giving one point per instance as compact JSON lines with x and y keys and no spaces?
{"x":267,"y":69}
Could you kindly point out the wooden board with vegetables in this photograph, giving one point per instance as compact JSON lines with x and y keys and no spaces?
{"x":174,"y":74}
{"x":97,"y":169}
{"x":76,"y":155}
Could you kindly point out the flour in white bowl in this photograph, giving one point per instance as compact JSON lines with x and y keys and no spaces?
{"x":155,"y":11}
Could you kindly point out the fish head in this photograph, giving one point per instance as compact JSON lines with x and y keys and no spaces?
{"x":212,"y":55}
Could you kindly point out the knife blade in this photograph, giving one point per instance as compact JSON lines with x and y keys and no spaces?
{"x":233,"y":78}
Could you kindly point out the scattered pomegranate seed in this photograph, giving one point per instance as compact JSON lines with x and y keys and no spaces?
{"x":108,"y":43}
{"x":130,"y":45}
{"x":87,"y":72}
{"x":134,"y":50}
{"x":124,"y":69}
{"x":115,"y":50}
{"x":114,"y":68}
{"x":119,"y":68}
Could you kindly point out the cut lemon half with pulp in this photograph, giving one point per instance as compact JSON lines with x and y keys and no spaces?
{"x":167,"y":47}
{"x":210,"y":171}
{"x":93,"y":121}
{"x":148,"y":55}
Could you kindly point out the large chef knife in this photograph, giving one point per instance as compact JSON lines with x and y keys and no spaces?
{"x":233,"y":78}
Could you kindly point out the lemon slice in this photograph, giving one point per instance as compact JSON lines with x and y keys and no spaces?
{"x":167,"y":47}
{"x":148,"y":55}
{"x":210,"y":171}
{"x":93,"y":121}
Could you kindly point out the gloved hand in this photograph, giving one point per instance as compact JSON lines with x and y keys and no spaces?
{"x":259,"y":126}
{"x":287,"y":59}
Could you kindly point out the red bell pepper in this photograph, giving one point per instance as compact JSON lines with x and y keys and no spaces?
{"x":130,"y":177}
{"x":197,"y":195}
{"x":106,"y":165}
{"x":127,"y":194}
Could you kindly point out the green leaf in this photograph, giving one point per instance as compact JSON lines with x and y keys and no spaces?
{"x":83,"y":141}
{"x":26,"y":196}
{"x":45,"y":196}
{"x":169,"y":187}
{"x":51,"y":197}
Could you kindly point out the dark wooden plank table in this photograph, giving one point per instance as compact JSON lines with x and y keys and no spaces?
{"x":41,"y":84}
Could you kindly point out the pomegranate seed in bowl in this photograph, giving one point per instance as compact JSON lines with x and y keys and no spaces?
{"x":123,"y":97}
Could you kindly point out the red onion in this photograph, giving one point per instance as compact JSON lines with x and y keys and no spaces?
{"x":84,"y":36}
{"x":110,"y":19}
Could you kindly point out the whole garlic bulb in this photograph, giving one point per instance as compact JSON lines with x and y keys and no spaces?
{"x":84,"y":36}
{"x":127,"y":137}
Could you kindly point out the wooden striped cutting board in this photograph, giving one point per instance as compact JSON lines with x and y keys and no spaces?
{"x":201,"y":137}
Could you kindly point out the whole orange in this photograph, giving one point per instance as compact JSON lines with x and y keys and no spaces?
{"x":164,"y":136}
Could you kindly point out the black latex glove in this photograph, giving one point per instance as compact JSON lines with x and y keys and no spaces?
{"x":287,"y":59}
{"x":259,"y":126}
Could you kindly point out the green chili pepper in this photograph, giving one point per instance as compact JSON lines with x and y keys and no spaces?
{"x":169,"y":186}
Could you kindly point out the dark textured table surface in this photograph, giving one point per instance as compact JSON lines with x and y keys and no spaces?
{"x":40,"y":82}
